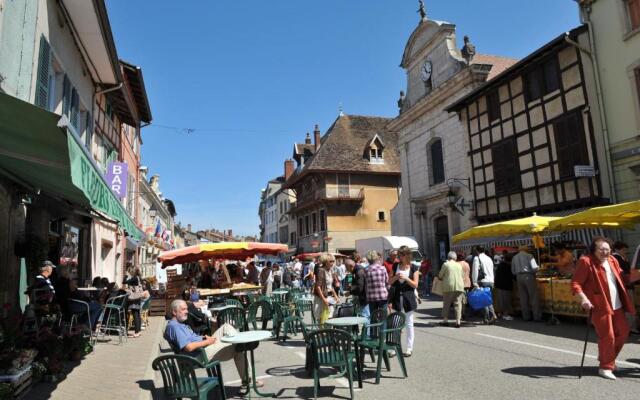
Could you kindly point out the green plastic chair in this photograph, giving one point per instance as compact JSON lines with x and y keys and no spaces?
{"x":331,"y":348}
{"x":233,"y":302}
{"x":308,"y":329}
{"x":381,"y":337}
{"x":234,"y":316}
{"x":304,"y":306}
{"x":180,"y":380}
{"x":285,"y":318}
{"x":266,"y":314}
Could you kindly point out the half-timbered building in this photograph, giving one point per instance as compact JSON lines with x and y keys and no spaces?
{"x":535,"y":142}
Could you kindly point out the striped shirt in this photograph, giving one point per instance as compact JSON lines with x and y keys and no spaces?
{"x":376,"y":283}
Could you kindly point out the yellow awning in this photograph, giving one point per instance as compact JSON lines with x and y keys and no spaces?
{"x":528,"y":225}
{"x":623,"y":215}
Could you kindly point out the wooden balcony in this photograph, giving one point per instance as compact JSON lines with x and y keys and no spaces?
{"x":327,"y":195}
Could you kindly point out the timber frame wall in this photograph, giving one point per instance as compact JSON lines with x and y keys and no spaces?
{"x":530,"y":126}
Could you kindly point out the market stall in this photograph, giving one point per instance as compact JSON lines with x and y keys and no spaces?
{"x":554,"y":251}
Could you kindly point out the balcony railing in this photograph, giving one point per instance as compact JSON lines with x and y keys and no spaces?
{"x":329,"y":194}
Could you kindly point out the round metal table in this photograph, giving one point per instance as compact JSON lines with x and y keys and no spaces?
{"x":249,"y":341}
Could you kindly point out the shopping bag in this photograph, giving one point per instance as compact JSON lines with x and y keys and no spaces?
{"x":324,"y":315}
{"x":437,"y":287}
{"x":480,"y":298}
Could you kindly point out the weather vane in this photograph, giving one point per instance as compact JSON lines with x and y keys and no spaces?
{"x":421,"y":11}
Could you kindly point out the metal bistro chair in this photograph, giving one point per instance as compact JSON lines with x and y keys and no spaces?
{"x":234,"y":316}
{"x":179,"y":377}
{"x":113,"y":317}
{"x":266,"y":314}
{"x":144,"y":312}
{"x":75,"y":316}
{"x":332,"y":348}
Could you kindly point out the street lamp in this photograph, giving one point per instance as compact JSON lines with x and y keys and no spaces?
{"x":452,"y":195}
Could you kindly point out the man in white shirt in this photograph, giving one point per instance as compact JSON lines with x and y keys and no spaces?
{"x":524,"y":267}
{"x":482,"y":276}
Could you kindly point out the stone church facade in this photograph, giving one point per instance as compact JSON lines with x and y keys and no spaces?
{"x":432,"y":142}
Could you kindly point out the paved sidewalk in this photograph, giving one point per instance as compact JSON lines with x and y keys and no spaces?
{"x":111,"y":371}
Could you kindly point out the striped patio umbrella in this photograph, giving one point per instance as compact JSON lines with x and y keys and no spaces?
{"x":224,"y":250}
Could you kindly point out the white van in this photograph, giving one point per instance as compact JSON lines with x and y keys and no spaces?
{"x":385,"y":244}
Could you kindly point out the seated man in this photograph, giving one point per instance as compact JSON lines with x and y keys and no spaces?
{"x":182,"y":337}
{"x":42,"y":289}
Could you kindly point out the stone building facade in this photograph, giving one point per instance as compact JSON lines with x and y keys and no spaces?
{"x":614,"y":26}
{"x":431,"y":141}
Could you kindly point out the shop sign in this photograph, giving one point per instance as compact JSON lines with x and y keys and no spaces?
{"x":117,"y":173}
{"x":582,"y":171}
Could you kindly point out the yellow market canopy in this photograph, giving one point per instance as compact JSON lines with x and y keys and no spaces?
{"x":623,"y":215}
{"x":528,"y":225}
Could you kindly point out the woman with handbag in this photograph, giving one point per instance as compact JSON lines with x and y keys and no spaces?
{"x":452,"y":288}
{"x":324,"y":296}
{"x":403,"y":283}
{"x":134,"y":300}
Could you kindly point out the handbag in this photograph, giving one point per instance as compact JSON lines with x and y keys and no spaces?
{"x":135,"y":293}
{"x":481,"y":274}
{"x":480,"y":298}
{"x":436,"y":288}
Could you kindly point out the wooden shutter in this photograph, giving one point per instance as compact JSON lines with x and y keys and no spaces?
{"x":551,"y":72}
{"x":633,"y":7}
{"x":571,"y":145}
{"x":493,"y":105}
{"x":437,"y":162}
{"x":506,"y":168}
{"x":44,"y":66}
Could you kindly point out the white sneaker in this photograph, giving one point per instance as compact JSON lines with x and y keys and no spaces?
{"x":607,"y":374}
{"x":507,"y":317}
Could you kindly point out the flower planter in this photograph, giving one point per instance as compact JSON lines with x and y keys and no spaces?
{"x":19,"y":384}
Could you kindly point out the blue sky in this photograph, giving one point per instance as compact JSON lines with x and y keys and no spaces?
{"x":251,"y":77}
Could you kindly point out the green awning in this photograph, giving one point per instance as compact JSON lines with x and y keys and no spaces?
{"x":39,"y":154}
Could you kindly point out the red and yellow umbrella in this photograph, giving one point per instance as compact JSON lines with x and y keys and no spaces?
{"x":225,"y":250}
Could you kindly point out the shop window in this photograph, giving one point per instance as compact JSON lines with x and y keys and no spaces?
{"x":307,"y":225}
{"x":571,"y":145}
{"x":314,"y":221}
{"x":542,"y":79}
{"x":506,"y":168}
{"x":323,"y":222}
{"x":436,"y":162}
{"x":493,"y":105}
{"x":633,"y":11}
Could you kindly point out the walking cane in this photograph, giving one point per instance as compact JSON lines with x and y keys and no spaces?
{"x":586,"y":340}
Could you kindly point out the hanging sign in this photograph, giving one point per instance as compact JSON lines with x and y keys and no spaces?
{"x":117,"y":178}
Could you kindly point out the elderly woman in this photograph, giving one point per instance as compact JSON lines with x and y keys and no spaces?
{"x":452,"y":288}
{"x":404,"y":282}
{"x":324,"y":296}
{"x":599,"y":285}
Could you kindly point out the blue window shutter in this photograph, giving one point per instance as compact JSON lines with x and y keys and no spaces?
{"x":66,"y":96}
{"x":75,"y":109}
{"x":44,"y":65}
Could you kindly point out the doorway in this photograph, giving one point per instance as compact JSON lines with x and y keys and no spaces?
{"x":441,"y":225}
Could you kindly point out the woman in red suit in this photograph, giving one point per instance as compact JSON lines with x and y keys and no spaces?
{"x":598,"y":284}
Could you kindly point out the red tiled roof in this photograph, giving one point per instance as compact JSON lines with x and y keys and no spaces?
{"x":499,"y":63}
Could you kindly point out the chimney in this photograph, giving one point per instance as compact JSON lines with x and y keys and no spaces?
{"x":288,"y":168}
{"x":155,"y":183}
{"x":188,"y":227}
{"x":307,"y":140}
{"x":316,"y":137}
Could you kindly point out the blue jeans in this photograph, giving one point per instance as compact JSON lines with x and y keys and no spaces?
{"x":428,"y":278}
{"x":489,"y":312}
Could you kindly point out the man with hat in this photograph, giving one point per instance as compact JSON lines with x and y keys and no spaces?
{"x":524,"y":267}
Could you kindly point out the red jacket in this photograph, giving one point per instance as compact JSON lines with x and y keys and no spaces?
{"x":590,"y":278}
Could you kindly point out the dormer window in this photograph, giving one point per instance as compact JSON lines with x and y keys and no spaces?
{"x":375,"y":151}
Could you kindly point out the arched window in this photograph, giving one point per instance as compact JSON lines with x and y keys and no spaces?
{"x":436,"y":162}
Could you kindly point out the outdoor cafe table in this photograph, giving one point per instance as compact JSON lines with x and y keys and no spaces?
{"x":353,"y":323}
{"x":249,"y":341}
